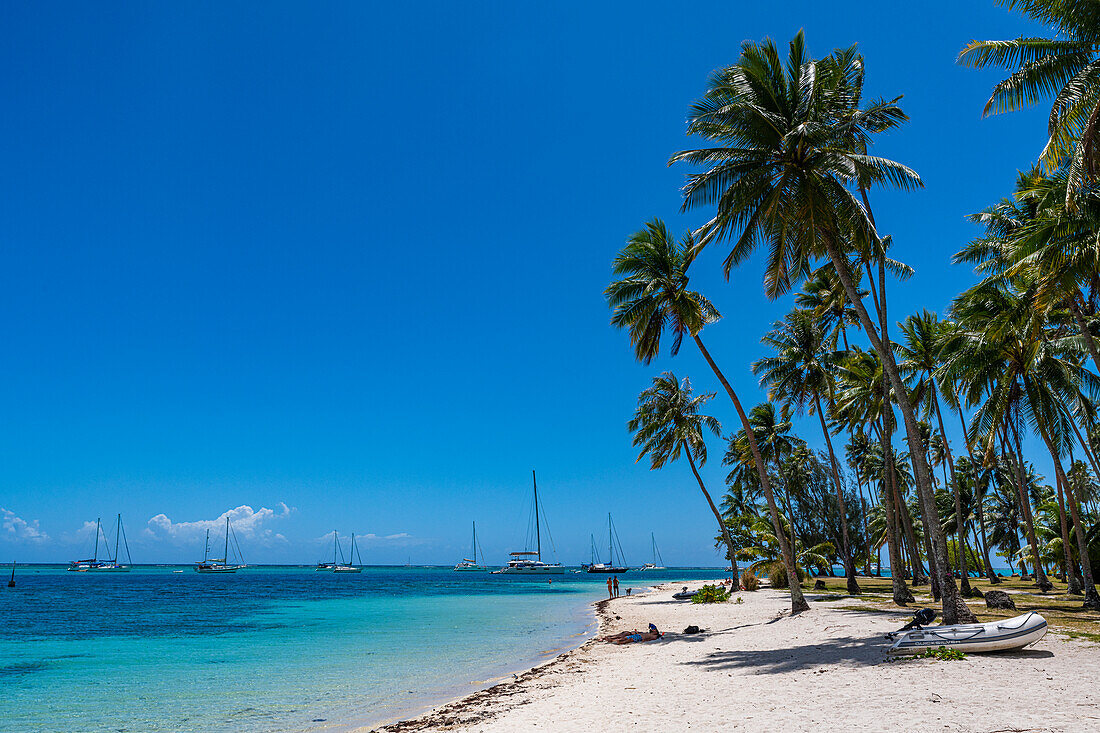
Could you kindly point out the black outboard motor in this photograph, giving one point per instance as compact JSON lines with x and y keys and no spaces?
{"x":921,"y":618}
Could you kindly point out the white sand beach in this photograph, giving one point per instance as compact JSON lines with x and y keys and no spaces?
{"x":756,"y":668}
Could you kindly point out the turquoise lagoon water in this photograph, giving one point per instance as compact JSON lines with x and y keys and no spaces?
{"x":273,"y":648}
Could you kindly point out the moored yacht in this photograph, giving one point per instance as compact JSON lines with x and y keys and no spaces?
{"x":609,"y":566}
{"x":469,"y":564}
{"x":111,"y":565}
{"x":658,"y":561}
{"x":527,"y":562}
{"x":218,"y":564}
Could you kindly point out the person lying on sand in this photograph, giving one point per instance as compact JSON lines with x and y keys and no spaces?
{"x":629,"y":637}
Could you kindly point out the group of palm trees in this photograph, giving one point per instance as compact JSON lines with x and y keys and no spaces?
{"x":788,"y":175}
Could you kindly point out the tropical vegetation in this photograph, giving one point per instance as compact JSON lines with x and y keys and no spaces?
{"x":919,"y":456}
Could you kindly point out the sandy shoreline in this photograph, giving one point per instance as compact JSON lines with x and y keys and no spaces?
{"x":757,"y":668}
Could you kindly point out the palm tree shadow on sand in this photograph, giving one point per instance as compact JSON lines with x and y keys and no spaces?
{"x":851,"y":651}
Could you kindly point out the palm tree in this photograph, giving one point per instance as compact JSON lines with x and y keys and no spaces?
{"x":1019,"y":373}
{"x":668,"y":424}
{"x":792,"y":142}
{"x":920,"y":351}
{"x":1066,"y":66}
{"x":798,"y":375}
{"x":824,"y":294}
{"x":859,"y":406}
{"x":652,"y":295}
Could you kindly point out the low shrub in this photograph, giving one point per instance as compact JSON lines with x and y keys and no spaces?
{"x":777,"y":574}
{"x":749,"y":581}
{"x":711,"y":594}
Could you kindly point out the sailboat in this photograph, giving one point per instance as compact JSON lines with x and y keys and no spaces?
{"x":111,"y":565}
{"x":527,"y":562}
{"x":217,"y":564}
{"x":328,"y":566}
{"x":609,"y":566}
{"x":11,"y":583}
{"x":656,"y":556}
{"x":351,"y":567}
{"x":469,"y":564}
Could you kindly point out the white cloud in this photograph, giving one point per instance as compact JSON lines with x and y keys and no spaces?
{"x":248,"y":524}
{"x":17,"y":529}
{"x":85,"y":533}
{"x":370,"y":539}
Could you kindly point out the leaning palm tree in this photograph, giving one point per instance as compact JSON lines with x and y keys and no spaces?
{"x":799,"y":375}
{"x":790,"y":146}
{"x":651,"y":297}
{"x":668,"y":424}
{"x":1066,"y":67}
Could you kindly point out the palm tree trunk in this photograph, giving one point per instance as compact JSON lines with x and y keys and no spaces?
{"x":798,"y":602}
{"x":785,"y":498}
{"x":993,"y":579}
{"x":1072,"y":578}
{"x":978,"y":504}
{"x":732,"y":550}
{"x":953,"y":607}
{"x":1092,"y":598}
{"x":901,"y":592}
{"x":1025,"y":508}
{"x":959,"y":524}
{"x":849,"y":565}
{"x":866,"y":534}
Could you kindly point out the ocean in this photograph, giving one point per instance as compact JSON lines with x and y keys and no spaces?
{"x":274,"y":648}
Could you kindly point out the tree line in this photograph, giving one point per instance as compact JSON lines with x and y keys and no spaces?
{"x":786,"y":174}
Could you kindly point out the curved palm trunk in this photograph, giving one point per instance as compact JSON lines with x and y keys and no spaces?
{"x":785,"y":497}
{"x":993,"y":579}
{"x":953,"y":607}
{"x":798,"y":602}
{"x":959,"y":524}
{"x":1072,"y":578}
{"x":732,"y":550}
{"x":1029,"y":521}
{"x":849,"y":564}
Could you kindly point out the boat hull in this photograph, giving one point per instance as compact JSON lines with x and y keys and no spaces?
{"x":996,"y":636}
{"x":545,"y":570}
{"x":606,"y":570}
{"x":225,"y":569}
{"x":470,"y":569}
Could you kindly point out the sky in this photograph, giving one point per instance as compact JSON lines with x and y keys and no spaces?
{"x":340,"y":266}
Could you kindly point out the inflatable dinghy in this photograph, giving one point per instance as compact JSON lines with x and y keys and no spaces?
{"x":683,"y":595}
{"x":995,"y":636}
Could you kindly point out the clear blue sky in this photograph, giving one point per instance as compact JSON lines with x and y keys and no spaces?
{"x":344,"y":262}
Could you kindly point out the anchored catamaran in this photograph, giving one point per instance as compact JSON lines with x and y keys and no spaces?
{"x":469,"y":564}
{"x":527,"y":562}
{"x":111,"y":565}
{"x":218,"y":564}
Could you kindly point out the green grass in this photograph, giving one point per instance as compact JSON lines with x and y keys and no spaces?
{"x":1062,"y":611}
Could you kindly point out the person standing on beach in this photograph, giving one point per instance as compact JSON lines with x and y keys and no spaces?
{"x":615,"y":580}
{"x":610,"y":594}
